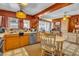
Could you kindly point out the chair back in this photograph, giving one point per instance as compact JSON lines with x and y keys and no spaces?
{"x":47,"y":40}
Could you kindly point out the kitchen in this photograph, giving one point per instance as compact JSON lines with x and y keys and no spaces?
{"x":33,"y":27}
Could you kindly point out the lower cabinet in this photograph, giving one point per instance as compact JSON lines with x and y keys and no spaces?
{"x":12,"y":42}
{"x":24,"y":40}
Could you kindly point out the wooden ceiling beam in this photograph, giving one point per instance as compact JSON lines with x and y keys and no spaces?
{"x":52,"y":8}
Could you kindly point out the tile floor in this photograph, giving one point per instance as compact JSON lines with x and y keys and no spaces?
{"x":70,"y":46}
{"x":70,"y":49}
{"x":1,"y":54}
{"x":16,"y":52}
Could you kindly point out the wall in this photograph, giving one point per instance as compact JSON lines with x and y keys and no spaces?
{"x":7,"y":14}
{"x":69,"y":24}
{"x":72,"y":23}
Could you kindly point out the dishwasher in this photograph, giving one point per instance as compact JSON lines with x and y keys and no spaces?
{"x":32,"y":38}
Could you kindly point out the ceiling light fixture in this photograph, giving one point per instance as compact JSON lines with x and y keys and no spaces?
{"x":65,"y":16}
{"x":23,"y":4}
{"x":20,"y":13}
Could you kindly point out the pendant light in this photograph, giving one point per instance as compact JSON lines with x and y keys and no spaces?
{"x":21,"y":14}
{"x":65,"y":16}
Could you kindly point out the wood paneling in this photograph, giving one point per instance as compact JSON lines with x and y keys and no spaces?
{"x":34,"y":22}
{"x":71,"y":25}
{"x":4,"y":22}
{"x":57,"y":20}
{"x":21,"y":23}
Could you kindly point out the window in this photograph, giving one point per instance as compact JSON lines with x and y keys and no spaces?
{"x":48,"y":26}
{"x":26,"y":24}
{"x":44,"y":26}
{"x":13,"y":23}
{"x":41,"y":26}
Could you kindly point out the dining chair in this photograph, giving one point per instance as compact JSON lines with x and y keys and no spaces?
{"x":47,"y":44}
{"x":59,"y":45}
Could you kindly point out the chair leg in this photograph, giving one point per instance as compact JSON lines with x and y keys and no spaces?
{"x":42,"y":52}
{"x":53,"y":53}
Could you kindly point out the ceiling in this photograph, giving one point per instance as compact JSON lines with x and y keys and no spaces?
{"x":30,"y":9}
{"x":72,"y":9}
{"x":34,"y":8}
{"x":9,"y":7}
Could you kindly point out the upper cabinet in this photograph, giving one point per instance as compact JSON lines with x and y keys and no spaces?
{"x":26,"y":24}
{"x":12,"y":23}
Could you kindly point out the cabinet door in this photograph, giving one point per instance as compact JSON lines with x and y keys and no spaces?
{"x":11,"y":43}
{"x":24,"y":40}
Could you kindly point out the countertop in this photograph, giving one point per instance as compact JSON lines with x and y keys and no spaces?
{"x":6,"y":33}
{"x":2,"y":35}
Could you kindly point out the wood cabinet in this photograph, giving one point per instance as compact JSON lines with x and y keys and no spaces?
{"x":15,"y":41}
{"x":11,"y":42}
{"x":24,"y":40}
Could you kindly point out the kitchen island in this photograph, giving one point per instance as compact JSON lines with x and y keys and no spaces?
{"x":17,"y":40}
